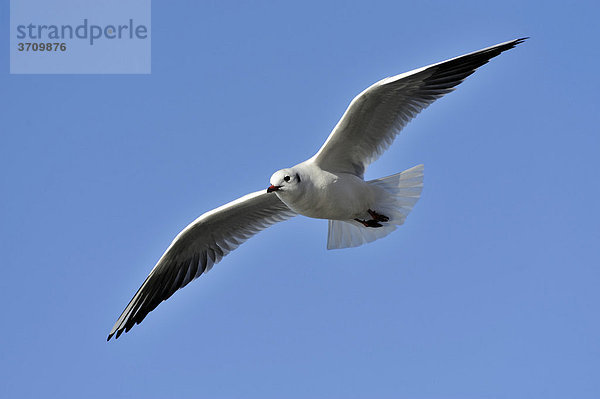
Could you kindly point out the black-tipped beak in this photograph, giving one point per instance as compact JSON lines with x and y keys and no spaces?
{"x":273,"y":188}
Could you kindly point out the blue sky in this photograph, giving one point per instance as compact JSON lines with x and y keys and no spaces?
{"x":490,"y":290}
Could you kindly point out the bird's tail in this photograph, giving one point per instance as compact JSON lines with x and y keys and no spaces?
{"x":400,"y":192}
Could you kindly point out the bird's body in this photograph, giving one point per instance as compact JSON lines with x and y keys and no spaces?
{"x":330,"y":185}
{"x":328,"y":195}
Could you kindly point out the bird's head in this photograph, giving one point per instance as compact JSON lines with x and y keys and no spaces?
{"x":285,"y":181}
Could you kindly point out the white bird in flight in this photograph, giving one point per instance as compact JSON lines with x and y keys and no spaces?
{"x":330,"y":185}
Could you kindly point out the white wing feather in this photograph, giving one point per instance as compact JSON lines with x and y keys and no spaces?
{"x":198,"y":247}
{"x":376,"y":116}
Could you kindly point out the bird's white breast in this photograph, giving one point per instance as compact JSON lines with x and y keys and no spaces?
{"x":326,"y":195}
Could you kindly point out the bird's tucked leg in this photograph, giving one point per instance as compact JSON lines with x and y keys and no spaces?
{"x":369,"y":223}
{"x":375,"y":221}
{"x":377,"y":217}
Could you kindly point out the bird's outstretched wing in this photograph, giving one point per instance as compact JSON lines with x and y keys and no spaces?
{"x":378,"y":114}
{"x":198,"y":247}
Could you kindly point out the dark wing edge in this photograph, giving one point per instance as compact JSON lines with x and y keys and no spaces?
{"x":194,"y":251}
{"x":376,"y":116}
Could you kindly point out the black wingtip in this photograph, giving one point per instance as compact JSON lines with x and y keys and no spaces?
{"x":110,"y":335}
{"x":502,"y":47}
{"x":514,"y":43}
{"x":496,"y":50}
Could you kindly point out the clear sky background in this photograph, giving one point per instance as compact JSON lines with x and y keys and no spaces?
{"x":490,"y":290}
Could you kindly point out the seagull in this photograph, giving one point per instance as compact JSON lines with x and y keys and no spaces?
{"x":330,"y":185}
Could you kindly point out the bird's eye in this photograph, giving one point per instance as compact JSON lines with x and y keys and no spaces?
{"x":286,"y":178}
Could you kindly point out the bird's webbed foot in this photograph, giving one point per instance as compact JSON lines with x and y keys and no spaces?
{"x":374,"y":222}
{"x":369,"y":223}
